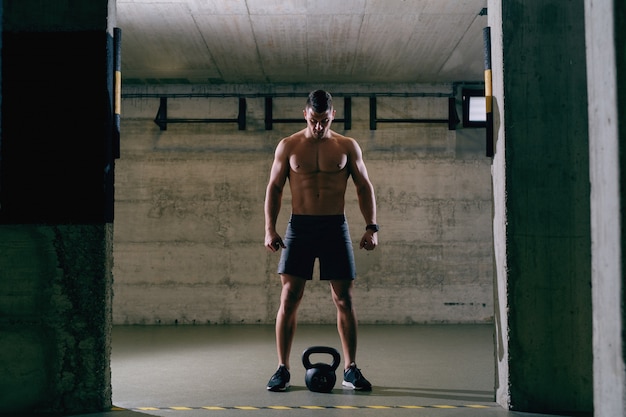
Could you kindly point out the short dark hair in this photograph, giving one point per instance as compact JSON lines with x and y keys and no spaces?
{"x":320,"y":101}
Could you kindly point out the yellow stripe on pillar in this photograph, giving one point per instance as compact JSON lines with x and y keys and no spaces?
{"x":118,"y":92}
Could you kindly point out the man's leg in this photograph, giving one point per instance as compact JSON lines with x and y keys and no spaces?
{"x":347,"y":327}
{"x":290,"y":296}
{"x":286,"y":318}
{"x":346,"y":318}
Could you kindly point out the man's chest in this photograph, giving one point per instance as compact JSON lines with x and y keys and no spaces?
{"x":328,"y":158}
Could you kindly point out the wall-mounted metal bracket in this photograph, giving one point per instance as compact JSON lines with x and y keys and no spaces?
{"x":451,"y":121}
{"x":269,"y":118}
{"x":162,"y":121}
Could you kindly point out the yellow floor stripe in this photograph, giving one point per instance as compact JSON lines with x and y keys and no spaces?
{"x":307,"y":407}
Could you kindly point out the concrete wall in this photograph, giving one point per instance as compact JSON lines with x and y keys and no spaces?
{"x":189,"y":212}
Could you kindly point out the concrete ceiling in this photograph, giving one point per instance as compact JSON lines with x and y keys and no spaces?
{"x":301,"y":41}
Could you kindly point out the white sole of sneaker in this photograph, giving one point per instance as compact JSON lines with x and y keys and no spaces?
{"x":350,"y":385}
{"x":279,"y":389}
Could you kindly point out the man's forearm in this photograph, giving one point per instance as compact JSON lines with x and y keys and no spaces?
{"x":272,"y":208}
{"x":367,"y":203}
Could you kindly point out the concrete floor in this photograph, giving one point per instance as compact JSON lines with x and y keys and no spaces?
{"x":205,"y":371}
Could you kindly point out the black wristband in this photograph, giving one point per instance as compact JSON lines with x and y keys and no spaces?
{"x":373,"y":227}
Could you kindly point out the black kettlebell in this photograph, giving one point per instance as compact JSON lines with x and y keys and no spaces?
{"x":320,"y":377}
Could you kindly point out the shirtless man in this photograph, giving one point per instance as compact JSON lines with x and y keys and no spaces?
{"x":318,"y":162}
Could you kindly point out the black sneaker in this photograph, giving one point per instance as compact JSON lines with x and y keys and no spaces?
{"x":353,"y":378}
{"x":280,"y":380}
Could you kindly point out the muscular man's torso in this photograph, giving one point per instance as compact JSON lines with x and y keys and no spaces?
{"x":318,"y":174}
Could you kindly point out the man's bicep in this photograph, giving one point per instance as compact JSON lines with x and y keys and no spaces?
{"x":358,"y":168}
{"x":280,"y":168}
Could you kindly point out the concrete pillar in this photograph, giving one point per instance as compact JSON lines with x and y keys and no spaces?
{"x":56,"y":207}
{"x":542,"y":209}
{"x":606,"y":106}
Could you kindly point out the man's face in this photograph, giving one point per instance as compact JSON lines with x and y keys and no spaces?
{"x":318,"y":123}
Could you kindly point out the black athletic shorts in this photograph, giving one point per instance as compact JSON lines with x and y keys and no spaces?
{"x":324,"y":237}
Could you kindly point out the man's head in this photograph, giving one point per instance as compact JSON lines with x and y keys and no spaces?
{"x":319,"y":113}
{"x":320,"y":101}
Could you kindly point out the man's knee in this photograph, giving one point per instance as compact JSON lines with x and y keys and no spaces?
{"x":291,"y":294}
{"x":291,"y":297}
{"x":343,"y":301}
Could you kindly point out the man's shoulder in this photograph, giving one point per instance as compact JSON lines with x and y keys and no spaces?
{"x":344,"y":139}
{"x":294,"y":138}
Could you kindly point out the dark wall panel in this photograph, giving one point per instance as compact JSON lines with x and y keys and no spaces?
{"x":56,"y":123}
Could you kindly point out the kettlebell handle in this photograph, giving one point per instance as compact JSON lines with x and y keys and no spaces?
{"x":320,"y":349}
